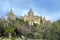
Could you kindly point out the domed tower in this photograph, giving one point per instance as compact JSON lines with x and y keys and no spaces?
{"x":11,"y":16}
{"x":30,"y":13}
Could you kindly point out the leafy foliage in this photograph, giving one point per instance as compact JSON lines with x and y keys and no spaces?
{"x":20,"y":27}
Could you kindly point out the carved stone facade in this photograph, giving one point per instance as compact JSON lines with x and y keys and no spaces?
{"x":31,"y":18}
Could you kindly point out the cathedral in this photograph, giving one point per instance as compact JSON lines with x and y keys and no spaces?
{"x":30,"y":18}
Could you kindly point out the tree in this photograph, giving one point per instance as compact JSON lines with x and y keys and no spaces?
{"x":24,"y":28}
{"x":9,"y":30}
{"x":56,"y":29}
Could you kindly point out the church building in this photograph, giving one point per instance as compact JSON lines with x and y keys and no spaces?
{"x":31,"y":18}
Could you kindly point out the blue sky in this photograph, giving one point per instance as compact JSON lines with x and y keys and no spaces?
{"x":48,"y":8}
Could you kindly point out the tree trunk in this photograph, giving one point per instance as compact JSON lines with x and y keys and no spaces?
{"x":10,"y":35}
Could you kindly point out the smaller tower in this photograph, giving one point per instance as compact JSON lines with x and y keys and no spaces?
{"x":11,"y":16}
{"x":30,"y":13}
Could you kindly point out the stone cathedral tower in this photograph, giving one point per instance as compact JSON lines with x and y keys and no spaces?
{"x":30,"y":13}
{"x":11,"y":16}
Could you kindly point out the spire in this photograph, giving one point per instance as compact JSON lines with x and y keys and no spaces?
{"x":10,"y":10}
{"x":30,"y":10}
{"x":30,"y":13}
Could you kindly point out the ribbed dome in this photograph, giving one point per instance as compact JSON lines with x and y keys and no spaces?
{"x":11,"y":13}
{"x":30,"y":13}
